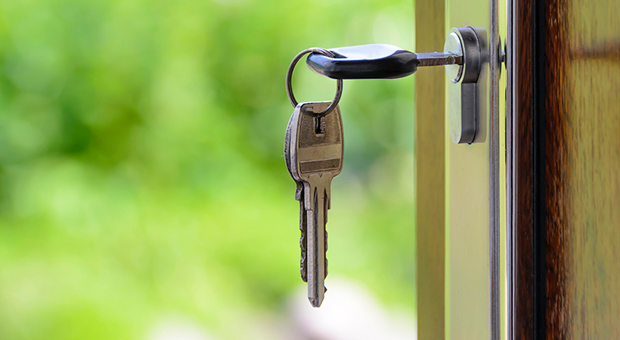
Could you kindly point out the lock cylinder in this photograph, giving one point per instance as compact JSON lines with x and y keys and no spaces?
{"x":463,"y":89}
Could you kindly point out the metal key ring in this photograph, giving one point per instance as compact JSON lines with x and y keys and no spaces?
{"x":289,"y":76}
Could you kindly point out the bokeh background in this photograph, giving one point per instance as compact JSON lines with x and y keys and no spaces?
{"x":143,"y":191}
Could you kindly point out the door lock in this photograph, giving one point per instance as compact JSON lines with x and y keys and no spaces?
{"x":463,"y":89}
{"x":464,"y":54}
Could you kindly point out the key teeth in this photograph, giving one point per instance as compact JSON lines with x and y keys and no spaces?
{"x":303,"y":267}
{"x":303,"y":264}
{"x":327,"y":205}
{"x":326,"y":268}
{"x":326,"y":255}
{"x":299,"y":191}
{"x":303,"y":270}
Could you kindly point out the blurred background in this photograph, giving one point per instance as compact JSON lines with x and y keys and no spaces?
{"x":143,"y":190}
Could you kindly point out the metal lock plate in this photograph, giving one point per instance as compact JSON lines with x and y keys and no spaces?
{"x":463,"y":90}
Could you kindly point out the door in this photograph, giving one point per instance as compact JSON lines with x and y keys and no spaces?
{"x":564,"y":161}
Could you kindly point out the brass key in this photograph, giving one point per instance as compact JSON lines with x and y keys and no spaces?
{"x":315,"y":152}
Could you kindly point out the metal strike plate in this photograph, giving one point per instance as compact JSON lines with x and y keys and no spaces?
{"x":463,"y":89}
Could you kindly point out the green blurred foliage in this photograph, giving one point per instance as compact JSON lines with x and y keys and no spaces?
{"x":141,"y":163}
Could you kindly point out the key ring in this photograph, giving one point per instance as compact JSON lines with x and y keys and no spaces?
{"x":289,"y":76}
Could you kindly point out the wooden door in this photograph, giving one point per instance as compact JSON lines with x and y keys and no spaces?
{"x":564,"y":169}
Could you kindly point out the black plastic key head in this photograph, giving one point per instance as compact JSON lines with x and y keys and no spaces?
{"x":376,"y":61}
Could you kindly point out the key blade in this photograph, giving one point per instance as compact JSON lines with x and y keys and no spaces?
{"x":439,"y":59}
{"x":316,"y":248}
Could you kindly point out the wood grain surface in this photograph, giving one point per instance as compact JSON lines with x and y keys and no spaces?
{"x":583,"y":166}
{"x":522,"y":166}
{"x":567,"y":133}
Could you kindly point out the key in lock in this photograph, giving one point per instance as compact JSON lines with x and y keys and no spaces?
{"x":464,"y":57}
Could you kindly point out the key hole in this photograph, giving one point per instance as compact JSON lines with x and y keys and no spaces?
{"x":319,"y":125}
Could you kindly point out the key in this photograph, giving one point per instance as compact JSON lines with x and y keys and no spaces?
{"x":315,"y":158}
{"x":377,"y":61}
{"x":303,"y":268}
